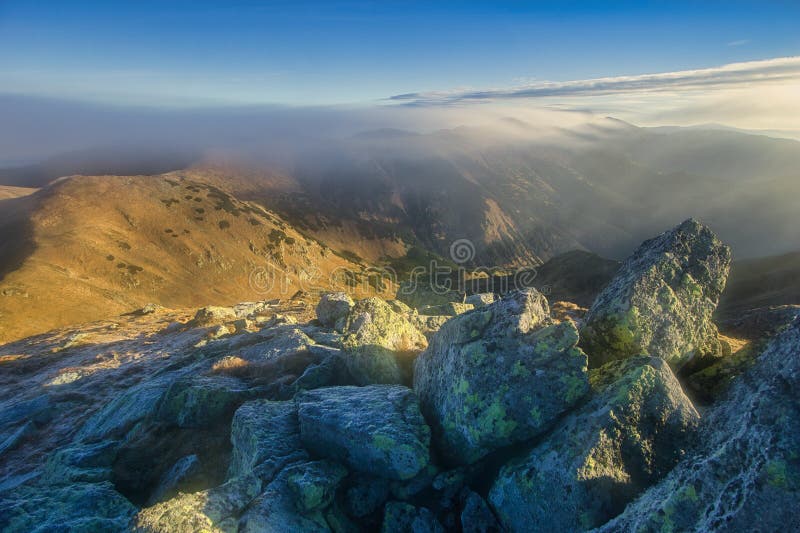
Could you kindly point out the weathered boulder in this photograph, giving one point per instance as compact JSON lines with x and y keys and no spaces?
{"x":213,"y":316}
{"x":215,"y":510}
{"x":372,"y":364}
{"x":84,"y":507}
{"x":499,"y":375}
{"x":399,"y":517}
{"x":313,"y":484}
{"x":480,"y":299}
{"x":600,"y":457}
{"x":428,"y":325}
{"x":377,"y":429}
{"x":275,"y":511}
{"x":448,"y":309}
{"x":266,"y":438}
{"x":177,"y":479}
{"x":661,"y":300}
{"x":202,"y":401}
{"x":333,"y":308}
{"x":275,"y":343}
{"x":373,"y":322}
{"x":744,"y":473}
{"x":365,"y":494}
{"x":476,"y":516}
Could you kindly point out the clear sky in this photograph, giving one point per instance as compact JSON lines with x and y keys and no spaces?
{"x":204,"y":52}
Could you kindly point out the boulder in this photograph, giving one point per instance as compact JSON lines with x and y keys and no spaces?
{"x":631,"y":433}
{"x":275,"y":511}
{"x":661,"y":300}
{"x":202,"y":401}
{"x":215,"y":510}
{"x":365,"y":495}
{"x":313,"y":484}
{"x":480,"y":299}
{"x":399,"y":517}
{"x":213,"y":316}
{"x":448,"y":309}
{"x":428,"y":325}
{"x":476,"y":516}
{"x":75,"y":507}
{"x":333,"y":308}
{"x":275,"y":343}
{"x":377,"y":429}
{"x":266,"y":438}
{"x":499,"y":375}
{"x":371,"y":364}
{"x":373,"y":322}
{"x":179,"y":477}
{"x":744,"y":473}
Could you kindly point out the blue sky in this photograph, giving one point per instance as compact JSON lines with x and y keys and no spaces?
{"x":198,"y":53}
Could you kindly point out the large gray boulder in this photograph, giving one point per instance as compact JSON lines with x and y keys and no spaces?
{"x":499,"y":375}
{"x":380,"y":344}
{"x":661,"y":300}
{"x":266,"y":438}
{"x":333,"y":308}
{"x":601,"y":456}
{"x":202,"y":401}
{"x":377,"y":429}
{"x":744,"y":474}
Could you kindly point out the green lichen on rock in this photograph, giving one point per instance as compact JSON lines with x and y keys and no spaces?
{"x":313,"y":484}
{"x":743,"y":474}
{"x":373,"y":322}
{"x":600,"y":456}
{"x":661,"y":301}
{"x":376,"y":429}
{"x":499,"y":375}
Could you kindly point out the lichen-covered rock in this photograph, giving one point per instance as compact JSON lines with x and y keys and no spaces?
{"x":399,"y":517}
{"x":276,"y":342}
{"x":428,"y":325}
{"x":213,"y":316}
{"x":266,"y":438}
{"x":333,"y":308}
{"x":499,"y":375}
{"x":365,"y":495}
{"x":448,"y":309}
{"x":79,"y":507}
{"x":480,"y":299}
{"x":81,"y":462}
{"x":601,"y":456}
{"x":202,"y":401}
{"x":744,"y":473}
{"x":661,"y":300}
{"x":275,"y":511}
{"x":373,"y":322}
{"x":377,"y":429}
{"x":371,"y":364}
{"x":313,"y":484}
{"x":215,"y":510}
{"x":476,"y":516}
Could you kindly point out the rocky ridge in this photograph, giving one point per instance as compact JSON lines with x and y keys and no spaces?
{"x":368,"y":415}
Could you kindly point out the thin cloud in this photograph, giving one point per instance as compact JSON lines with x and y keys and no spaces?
{"x":740,"y":42}
{"x":726,"y":76}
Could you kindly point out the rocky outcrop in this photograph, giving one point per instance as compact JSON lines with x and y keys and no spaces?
{"x":333,"y":308}
{"x":448,"y":309}
{"x":480,"y":299}
{"x":376,"y":429}
{"x":266,"y":438}
{"x":744,"y":474}
{"x":401,"y":517}
{"x":373,"y":322}
{"x":601,"y":456}
{"x":661,"y":300}
{"x":499,"y":375}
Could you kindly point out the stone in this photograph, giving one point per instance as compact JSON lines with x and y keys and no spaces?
{"x":84,"y":507}
{"x":333,"y":308}
{"x":373,"y":322}
{"x":202,"y":401}
{"x":266,"y":438}
{"x":213,"y":316}
{"x":372,"y":364}
{"x":275,"y":511}
{"x":401,"y":517}
{"x":743,"y":474}
{"x":365,"y":495}
{"x":313,"y":484}
{"x":661,"y":300}
{"x":629,"y":435}
{"x":448,"y":309}
{"x":376,"y":429}
{"x":480,"y":299}
{"x":476,"y":516}
{"x":499,"y":375}
{"x":214,"y":510}
{"x":428,"y":325}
